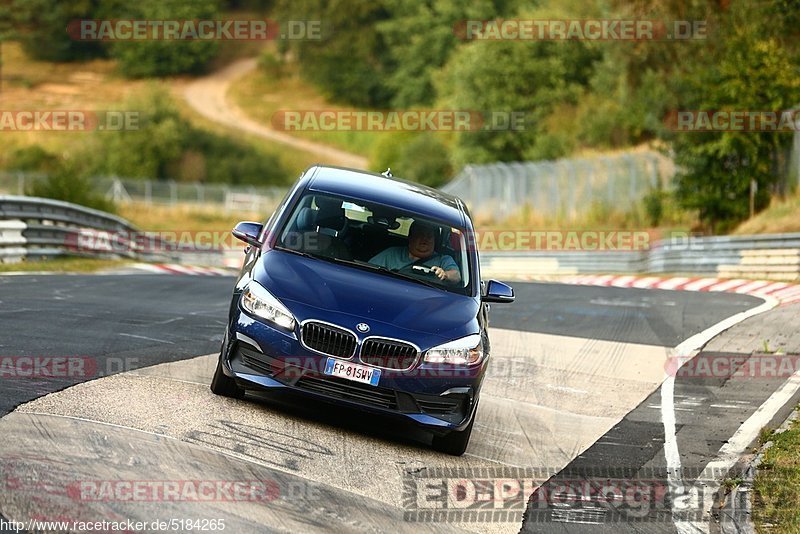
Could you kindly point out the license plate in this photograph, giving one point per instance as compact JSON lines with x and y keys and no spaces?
{"x":352,"y":371}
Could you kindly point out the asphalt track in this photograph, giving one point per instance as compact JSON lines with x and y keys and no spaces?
{"x":118,"y":322}
{"x":572,"y":366}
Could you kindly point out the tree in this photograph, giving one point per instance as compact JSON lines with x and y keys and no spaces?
{"x":348,"y":63}
{"x":41,"y":28}
{"x":420,"y":38}
{"x":531,"y":78}
{"x":746,"y":68}
{"x":156,"y":57}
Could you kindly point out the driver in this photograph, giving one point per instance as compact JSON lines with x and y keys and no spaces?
{"x":420,"y":251}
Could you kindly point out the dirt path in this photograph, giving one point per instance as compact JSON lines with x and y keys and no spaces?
{"x":207,"y":96}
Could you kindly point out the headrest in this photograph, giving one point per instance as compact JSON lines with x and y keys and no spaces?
{"x":306,"y":220}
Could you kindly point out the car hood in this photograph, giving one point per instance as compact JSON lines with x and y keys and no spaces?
{"x":318,"y":289}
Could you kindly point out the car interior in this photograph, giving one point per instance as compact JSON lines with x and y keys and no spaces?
{"x":328,"y":226}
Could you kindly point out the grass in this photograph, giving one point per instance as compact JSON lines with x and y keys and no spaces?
{"x":63,"y":265}
{"x":40,"y":85}
{"x":293,"y":159}
{"x":184,"y":218}
{"x":95,"y":85}
{"x":260,"y":95}
{"x":596,"y":217}
{"x":781,"y":216}
{"x":776,"y":498}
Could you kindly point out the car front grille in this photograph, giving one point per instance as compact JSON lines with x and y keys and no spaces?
{"x":388,"y":353}
{"x":352,"y":391}
{"x":329,"y":340}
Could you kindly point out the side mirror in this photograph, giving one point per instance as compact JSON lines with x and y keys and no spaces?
{"x":248,"y":232}
{"x":498,"y":292}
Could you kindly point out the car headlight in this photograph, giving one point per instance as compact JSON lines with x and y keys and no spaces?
{"x":465,"y":351}
{"x":261,"y":303}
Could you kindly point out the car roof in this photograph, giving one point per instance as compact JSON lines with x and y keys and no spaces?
{"x":373,"y":187}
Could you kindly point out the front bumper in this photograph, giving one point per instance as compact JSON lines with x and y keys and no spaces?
{"x":259,"y":357}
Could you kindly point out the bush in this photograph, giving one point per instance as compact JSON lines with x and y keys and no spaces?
{"x":270,"y":65}
{"x":32,"y":158}
{"x":40,"y":25}
{"x":167,"y":146}
{"x":420,"y":157}
{"x":654,"y":206}
{"x":65,"y":184}
{"x":163,"y":57}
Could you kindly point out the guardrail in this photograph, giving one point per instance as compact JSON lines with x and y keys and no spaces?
{"x":768,"y":257}
{"x":37,"y":228}
{"x":40,"y":228}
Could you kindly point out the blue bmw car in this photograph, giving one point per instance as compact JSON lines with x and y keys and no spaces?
{"x":364,"y":290}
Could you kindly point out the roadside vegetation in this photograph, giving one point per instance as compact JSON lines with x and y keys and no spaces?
{"x":63,"y":265}
{"x":577,"y":95}
{"x":782,"y":215}
{"x":184,"y":218}
{"x":44,"y":69}
{"x":776,"y":497}
{"x":393,"y":55}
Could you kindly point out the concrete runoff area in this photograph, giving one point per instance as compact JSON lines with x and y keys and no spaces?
{"x":571,"y":393}
{"x":568,"y":364}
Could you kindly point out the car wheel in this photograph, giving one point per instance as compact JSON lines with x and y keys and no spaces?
{"x":454,"y":443}
{"x":224,"y":385}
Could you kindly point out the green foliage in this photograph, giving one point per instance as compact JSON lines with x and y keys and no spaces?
{"x":382,"y":53}
{"x":149,"y":151}
{"x":153,"y":57}
{"x":45,"y":30}
{"x":271,"y":65}
{"x":654,"y":203}
{"x":420,"y":37}
{"x":67,"y":185}
{"x":41,"y":25}
{"x":32,"y":158}
{"x":420,"y":157}
{"x":746,"y":68}
{"x":261,"y":6}
{"x":167,"y":146}
{"x":348,"y":63}
{"x":501,"y":76}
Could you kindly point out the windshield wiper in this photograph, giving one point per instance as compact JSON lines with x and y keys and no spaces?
{"x":363,"y":265}
{"x":382,"y":269}
{"x":293,"y":251}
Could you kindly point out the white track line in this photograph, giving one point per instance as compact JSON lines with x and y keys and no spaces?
{"x":671,"y":452}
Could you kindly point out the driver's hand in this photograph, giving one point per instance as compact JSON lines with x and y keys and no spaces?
{"x":439,"y":272}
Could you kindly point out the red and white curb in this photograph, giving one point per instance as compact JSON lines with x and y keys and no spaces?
{"x":784,"y":292}
{"x":174,"y":268}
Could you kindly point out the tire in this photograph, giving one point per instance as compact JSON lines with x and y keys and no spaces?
{"x":454,"y":443}
{"x":224,"y":385}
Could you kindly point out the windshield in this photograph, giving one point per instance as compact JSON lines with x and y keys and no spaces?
{"x":380,"y":238}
